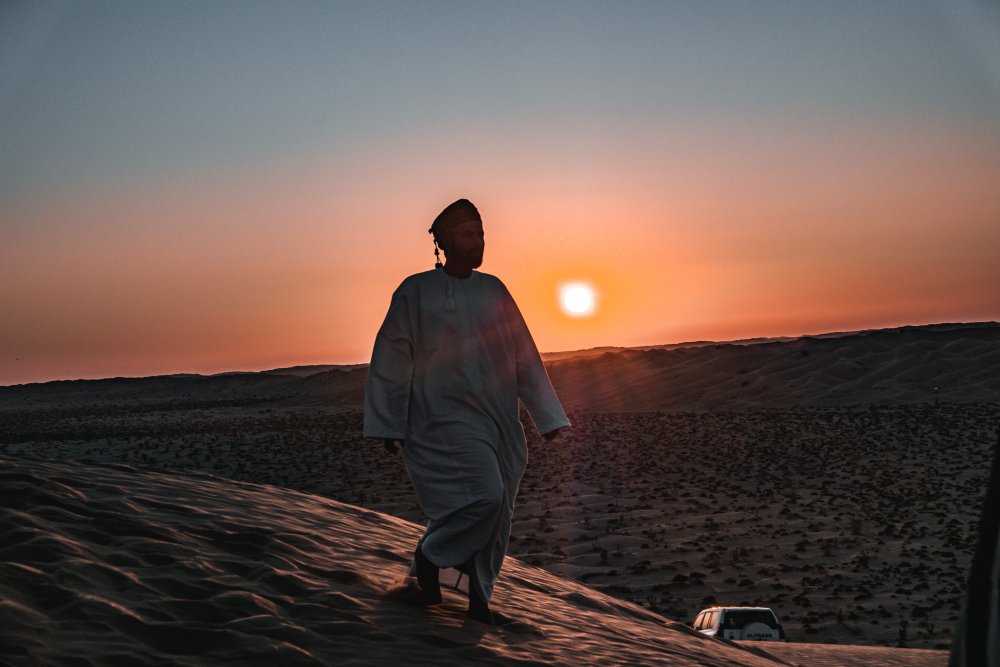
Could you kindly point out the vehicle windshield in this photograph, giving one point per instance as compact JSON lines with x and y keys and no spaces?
{"x":739,"y":619}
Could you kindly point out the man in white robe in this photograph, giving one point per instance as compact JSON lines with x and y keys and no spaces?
{"x":449,"y":364}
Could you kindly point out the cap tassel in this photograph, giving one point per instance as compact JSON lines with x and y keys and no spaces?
{"x":437,"y":252}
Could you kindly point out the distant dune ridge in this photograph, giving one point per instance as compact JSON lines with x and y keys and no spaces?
{"x":107,"y":564}
{"x":940,"y":362}
{"x":953,"y":363}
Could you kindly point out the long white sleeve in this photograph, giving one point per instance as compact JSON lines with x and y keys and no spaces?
{"x":533,"y":385}
{"x":390,"y":375}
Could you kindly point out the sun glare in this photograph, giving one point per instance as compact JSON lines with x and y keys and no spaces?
{"x":577,"y":299}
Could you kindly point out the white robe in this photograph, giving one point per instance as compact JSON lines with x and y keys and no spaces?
{"x":449,"y":364}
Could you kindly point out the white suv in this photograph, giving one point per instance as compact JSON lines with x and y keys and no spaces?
{"x":756,"y":623}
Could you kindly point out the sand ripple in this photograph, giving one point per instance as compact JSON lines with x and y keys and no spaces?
{"x":106,"y":564}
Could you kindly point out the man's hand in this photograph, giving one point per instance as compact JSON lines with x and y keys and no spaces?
{"x":390,"y":444}
{"x":551,"y":435}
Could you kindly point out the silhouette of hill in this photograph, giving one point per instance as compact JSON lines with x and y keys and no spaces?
{"x":943,"y":362}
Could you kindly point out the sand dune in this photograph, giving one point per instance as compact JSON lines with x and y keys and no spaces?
{"x":855,"y":524}
{"x":834,"y":478}
{"x":107,"y":564}
{"x":949,"y":363}
{"x":890,"y":367}
{"x":340,"y":387}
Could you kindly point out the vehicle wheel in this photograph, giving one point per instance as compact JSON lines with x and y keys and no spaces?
{"x":759,"y":631}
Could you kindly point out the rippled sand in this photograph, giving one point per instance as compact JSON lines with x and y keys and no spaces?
{"x":854,"y":524}
{"x":107,"y":564}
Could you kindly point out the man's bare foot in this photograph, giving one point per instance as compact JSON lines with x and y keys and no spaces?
{"x":484,"y":615}
{"x":479,"y":606}
{"x":409,"y":591}
{"x":427,"y":578}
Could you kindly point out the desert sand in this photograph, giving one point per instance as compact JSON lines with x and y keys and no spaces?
{"x":849,"y":522}
{"x":108,"y":564}
{"x":837,"y":479}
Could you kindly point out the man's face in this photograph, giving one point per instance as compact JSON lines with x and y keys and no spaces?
{"x":465,"y":243}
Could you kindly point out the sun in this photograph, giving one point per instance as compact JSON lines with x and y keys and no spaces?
{"x":577,"y":299}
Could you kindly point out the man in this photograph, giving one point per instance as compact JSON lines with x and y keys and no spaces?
{"x":449,"y":365}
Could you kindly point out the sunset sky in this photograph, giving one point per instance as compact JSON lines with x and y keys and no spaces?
{"x":216,"y":186}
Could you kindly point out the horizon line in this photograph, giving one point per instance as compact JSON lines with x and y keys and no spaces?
{"x":679,"y":344}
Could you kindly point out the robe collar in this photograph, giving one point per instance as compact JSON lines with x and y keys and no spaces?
{"x":449,"y":287}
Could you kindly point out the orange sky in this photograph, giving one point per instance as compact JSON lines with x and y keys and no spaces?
{"x":296,"y":265}
{"x":176,"y":202}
